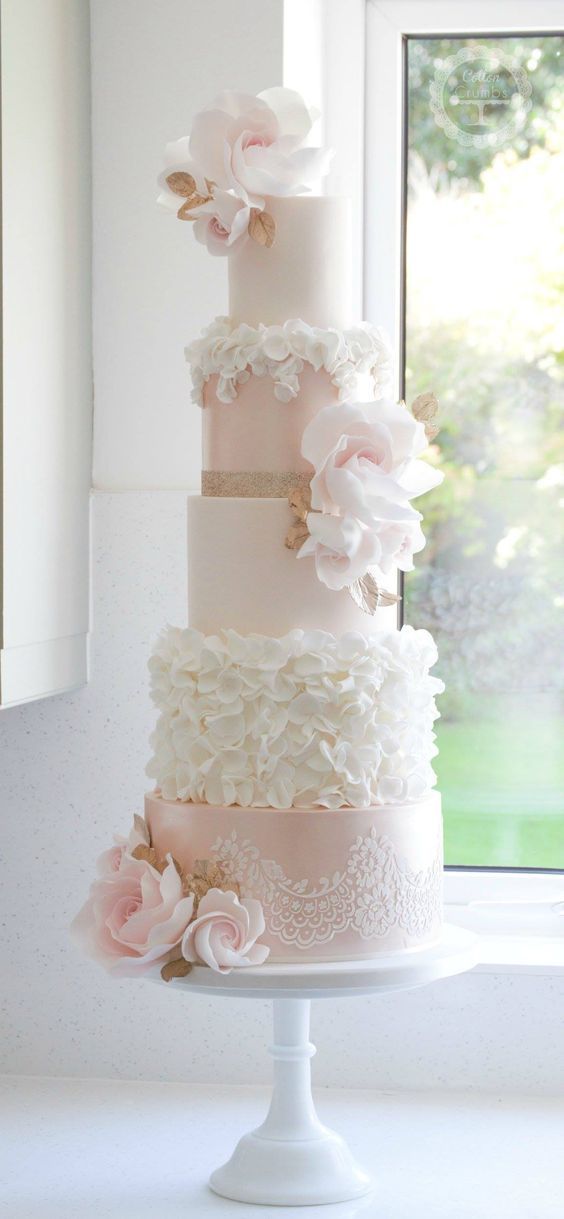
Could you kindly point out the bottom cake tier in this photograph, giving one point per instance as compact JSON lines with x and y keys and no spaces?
{"x":334,"y":884}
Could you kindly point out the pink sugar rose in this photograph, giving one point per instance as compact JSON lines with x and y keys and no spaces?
{"x":225,"y":932}
{"x":222,"y":223}
{"x":110,"y":861}
{"x":365,"y":460}
{"x":366,"y":472}
{"x":342,"y":548}
{"x":134,"y":917}
{"x":252,"y":145}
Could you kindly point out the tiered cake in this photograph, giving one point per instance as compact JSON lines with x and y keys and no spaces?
{"x":293,"y":814}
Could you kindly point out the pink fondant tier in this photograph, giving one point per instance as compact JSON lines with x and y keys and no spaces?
{"x":241,"y":575}
{"x":334,"y":885}
{"x":306,"y":272}
{"x":257,"y":432}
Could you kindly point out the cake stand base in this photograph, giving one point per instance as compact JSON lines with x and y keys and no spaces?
{"x":298,"y":1174}
{"x":292,"y":1159}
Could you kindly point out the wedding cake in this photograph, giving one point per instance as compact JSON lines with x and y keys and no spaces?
{"x":293,"y":816}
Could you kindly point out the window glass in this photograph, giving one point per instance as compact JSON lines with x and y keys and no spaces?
{"x":485,"y":331}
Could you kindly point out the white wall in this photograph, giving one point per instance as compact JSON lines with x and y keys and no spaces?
{"x":46,"y":392}
{"x":154,"y":64}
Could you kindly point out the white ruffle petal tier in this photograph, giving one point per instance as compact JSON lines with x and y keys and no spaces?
{"x":280,"y":352}
{"x":306,"y":719}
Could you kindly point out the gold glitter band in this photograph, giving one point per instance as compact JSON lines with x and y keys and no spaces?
{"x":252,"y":484}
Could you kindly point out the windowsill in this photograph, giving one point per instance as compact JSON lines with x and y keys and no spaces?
{"x":521,"y":954}
{"x":518,"y":918}
{"x":121,"y":1148}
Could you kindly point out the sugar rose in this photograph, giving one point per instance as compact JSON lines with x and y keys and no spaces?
{"x":399,"y":541}
{"x":343,"y":550}
{"x":134,"y":917}
{"x":364,"y":457}
{"x":110,"y":861}
{"x":222,"y":223}
{"x":253,"y":145}
{"x":225,"y":932}
{"x":366,"y":472}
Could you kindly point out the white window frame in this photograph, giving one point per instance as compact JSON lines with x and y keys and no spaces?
{"x":351,"y":53}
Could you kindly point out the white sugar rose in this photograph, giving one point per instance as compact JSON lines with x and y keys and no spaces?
{"x":343,"y":550}
{"x":365,"y":460}
{"x":225,"y":931}
{"x":253,"y":145}
{"x":222,"y":223}
{"x":399,"y":541}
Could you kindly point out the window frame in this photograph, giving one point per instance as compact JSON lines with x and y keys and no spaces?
{"x":496,"y":902}
{"x":518,"y":913}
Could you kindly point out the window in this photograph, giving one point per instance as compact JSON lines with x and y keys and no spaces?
{"x":476,"y":317}
{"x":484,"y":304}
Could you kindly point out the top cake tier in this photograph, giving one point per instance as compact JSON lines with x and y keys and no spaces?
{"x":305,"y":274}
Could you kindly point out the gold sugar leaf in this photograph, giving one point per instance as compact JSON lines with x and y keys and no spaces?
{"x":367,"y":594}
{"x":188,"y":885}
{"x":143,"y":851}
{"x":296,"y":536}
{"x":262,"y":228}
{"x":209,"y":870}
{"x":207,"y":875}
{"x":386,"y":598}
{"x":142,"y":828}
{"x":189,"y":205}
{"x":299,"y":500}
{"x":424,"y":408}
{"x":212,"y":875}
{"x":181,"y":183}
{"x":178,"y":867}
{"x":175,"y":969}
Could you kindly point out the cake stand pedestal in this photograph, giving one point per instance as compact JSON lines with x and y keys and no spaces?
{"x":292,"y":1159}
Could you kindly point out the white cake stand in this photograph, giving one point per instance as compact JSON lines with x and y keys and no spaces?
{"x":292,"y":1159}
